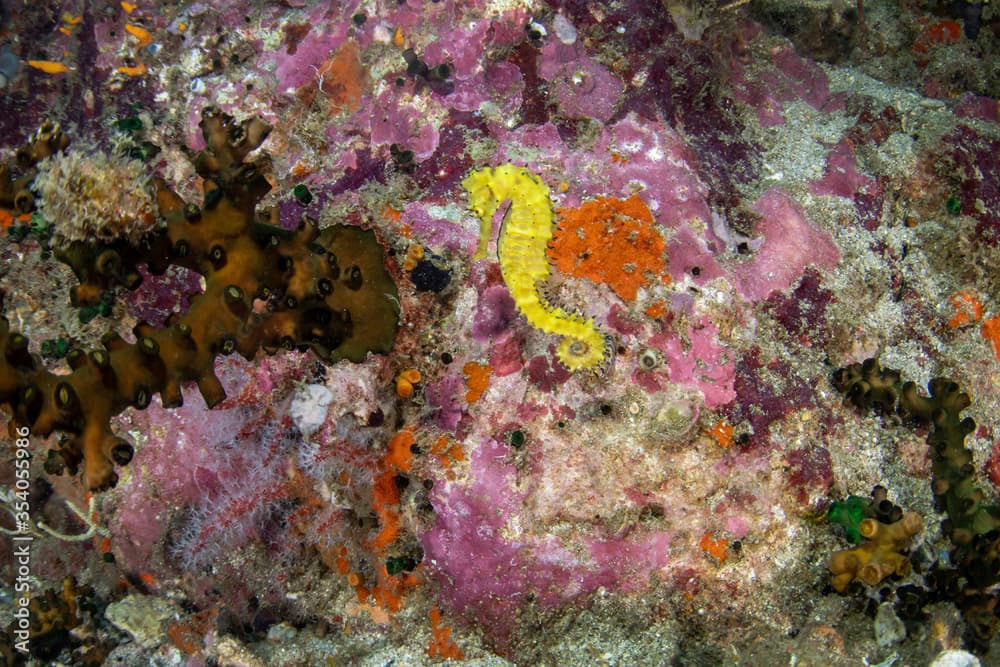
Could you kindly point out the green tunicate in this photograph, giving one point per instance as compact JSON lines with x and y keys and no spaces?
{"x":144,"y":152}
{"x":954,"y":205}
{"x":105,"y":308}
{"x":396,"y":564}
{"x":849,"y":514}
{"x":130,"y":124}
{"x":87,"y":313}
{"x":517,"y":438}
{"x":38,"y":223}
{"x":302,"y":194}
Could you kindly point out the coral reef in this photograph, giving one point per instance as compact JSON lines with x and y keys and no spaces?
{"x":405,"y":464}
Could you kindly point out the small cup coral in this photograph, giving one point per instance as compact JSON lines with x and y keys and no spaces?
{"x":883,"y":554}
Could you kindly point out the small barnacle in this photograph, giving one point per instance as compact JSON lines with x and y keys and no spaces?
{"x":582,"y":80}
{"x":675,"y":417}
{"x":650,"y":359}
{"x":535,"y":32}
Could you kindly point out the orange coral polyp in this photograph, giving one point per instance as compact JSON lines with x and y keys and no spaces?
{"x":716,"y":548}
{"x":400,"y":455}
{"x":612,"y":242}
{"x":722,"y":433}
{"x":411,"y":375}
{"x":404,"y":388}
{"x":967,"y":307}
{"x":991,"y":332}
{"x":441,"y":645}
{"x":477,"y":378}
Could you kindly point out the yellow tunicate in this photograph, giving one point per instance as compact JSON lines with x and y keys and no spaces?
{"x":138,"y":70}
{"x":139,"y":33}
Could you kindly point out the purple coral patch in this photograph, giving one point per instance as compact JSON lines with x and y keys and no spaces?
{"x":767,"y":392}
{"x":803,"y":310}
{"x":810,"y":472}
{"x":494,"y":313}
{"x":546,"y":373}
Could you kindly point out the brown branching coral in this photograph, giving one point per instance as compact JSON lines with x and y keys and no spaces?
{"x":325,"y":290}
{"x":973,"y":521}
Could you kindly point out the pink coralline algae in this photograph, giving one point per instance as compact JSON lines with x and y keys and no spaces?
{"x":406,"y":126}
{"x":842,"y":177}
{"x":505,"y":355}
{"x":698,"y":361}
{"x":437,"y":230}
{"x":297,"y":62}
{"x":791,"y":243}
{"x":786,"y":78}
{"x":491,"y":568}
{"x":477,"y":82}
{"x":650,"y":157}
{"x":444,"y":400}
{"x":494,"y":313}
{"x":582,"y":87}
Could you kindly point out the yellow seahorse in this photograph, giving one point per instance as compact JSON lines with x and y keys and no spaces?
{"x":524,"y":235}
